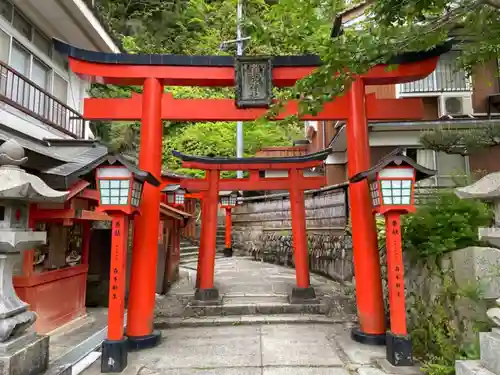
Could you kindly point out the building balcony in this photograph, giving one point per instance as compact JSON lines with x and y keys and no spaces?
{"x":447,"y":78}
{"x":23,"y":94}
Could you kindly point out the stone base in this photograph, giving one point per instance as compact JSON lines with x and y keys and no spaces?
{"x":114,"y":356}
{"x":228,"y":252}
{"x":26,"y":355}
{"x":303,"y":296}
{"x":144,"y":342}
{"x":368,"y":338}
{"x":203,"y":297}
{"x":399,"y":350}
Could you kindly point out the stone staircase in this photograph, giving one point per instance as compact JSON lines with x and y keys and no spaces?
{"x":489,"y":362}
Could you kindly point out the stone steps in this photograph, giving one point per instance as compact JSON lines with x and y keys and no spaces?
{"x":233,"y":320}
{"x":490,"y":349}
{"x":271,"y":305}
{"x":471,"y":368}
{"x":489,"y":363}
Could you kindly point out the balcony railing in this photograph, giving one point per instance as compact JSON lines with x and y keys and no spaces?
{"x":25,"y":95}
{"x":446,"y":78}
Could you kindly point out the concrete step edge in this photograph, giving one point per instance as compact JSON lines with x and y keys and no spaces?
{"x":163,"y":323}
{"x":471,"y":367}
{"x":64,"y":364}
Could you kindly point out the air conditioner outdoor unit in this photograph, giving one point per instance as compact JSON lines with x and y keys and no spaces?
{"x":456,"y":106}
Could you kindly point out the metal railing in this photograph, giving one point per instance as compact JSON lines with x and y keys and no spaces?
{"x":446,"y":78}
{"x":25,"y":95}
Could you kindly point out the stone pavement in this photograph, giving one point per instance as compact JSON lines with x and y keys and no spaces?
{"x":254,"y":330}
{"x":255,"y":350}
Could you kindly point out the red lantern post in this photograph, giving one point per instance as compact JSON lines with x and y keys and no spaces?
{"x":228,"y":202}
{"x":120,"y":186}
{"x":392,"y":187}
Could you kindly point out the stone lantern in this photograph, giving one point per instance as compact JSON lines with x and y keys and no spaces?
{"x":21,"y":352}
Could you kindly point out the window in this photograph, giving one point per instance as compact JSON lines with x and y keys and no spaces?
{"x":22,"y":25}
{"x":20,"y":61}
{"x":42,"y":42}
{"x":4,"y":46}
{"x":451,"y":169}
{"x":60,"y":88}
{"x":6,"y":10}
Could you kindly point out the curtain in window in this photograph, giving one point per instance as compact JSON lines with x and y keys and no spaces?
{"x":60,"y":91}
{"x":4,"y":56}
{"x":39,"y":102}
{"x":426,"y":159}
{"x":18,"y":88}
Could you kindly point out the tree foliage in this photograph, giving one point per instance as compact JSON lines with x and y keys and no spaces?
{"x":391,"y":27}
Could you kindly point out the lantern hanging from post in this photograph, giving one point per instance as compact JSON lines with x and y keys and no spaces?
{"x":392,"y":186}
{"x":120,"y":186}
{"x":175,"y":195}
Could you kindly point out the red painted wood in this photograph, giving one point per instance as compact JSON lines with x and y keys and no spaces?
{"x":365,"y":247}
{"x":228,"y":227}
{"x":117,"y":275}
{"x":68,"y":213}
{"x":90,"y":194}
{"x":118,"y":74}
{"x":77,"y":188}
{"x":43,"y":293}
{"x":244,"y":184}
{"x":299,"y":231}
{"x":210,"y":205}
{"x":197,"y":110}
{"x":141,"y":299}
{"x":395,"y":273}
{"x":252,"y":167}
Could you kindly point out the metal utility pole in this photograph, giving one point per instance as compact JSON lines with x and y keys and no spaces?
{"x":239,"y":52}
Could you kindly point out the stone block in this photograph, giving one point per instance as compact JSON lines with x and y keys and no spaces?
{"x":478,"y":264}
{"x":490,"y":348}
{"x":470,"y":368}
{"x":26,"y":355}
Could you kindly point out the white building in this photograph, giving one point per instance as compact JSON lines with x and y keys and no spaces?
{"x":39,"y":96}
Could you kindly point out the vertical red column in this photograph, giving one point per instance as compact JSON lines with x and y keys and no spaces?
{"x":303,"y":292}
{"x":86,"y":232}
{"x":399,"y":346}
{"x":145,"y":251}
{"x":207,"y":291}
{"x":228,"y":250}
{"x":114,"y":348}
{"x":201,"y":247}
{"x":365,"y":247}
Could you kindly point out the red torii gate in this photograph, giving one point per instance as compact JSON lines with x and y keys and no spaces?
{"x":296,"y":183}
{"x":153,"y":72}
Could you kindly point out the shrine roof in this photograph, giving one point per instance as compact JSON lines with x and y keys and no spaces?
{"x":395,"y":158}
{"x":317,"y":156}
{"x":220,"y":61}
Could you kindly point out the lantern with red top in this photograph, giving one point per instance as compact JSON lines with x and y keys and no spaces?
{"x":120,"y":185}
{"x":228,"y":201}
{"x":175,"y":195}
{"x":392,"y":185}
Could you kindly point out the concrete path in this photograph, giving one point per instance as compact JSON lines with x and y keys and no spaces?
{"x":255,"y":331}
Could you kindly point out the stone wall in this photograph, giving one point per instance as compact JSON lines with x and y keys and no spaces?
{"x":262,"y":228}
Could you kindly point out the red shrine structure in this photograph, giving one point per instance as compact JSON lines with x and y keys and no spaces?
{"x":296,"y":183}
{"x":154,"y":72}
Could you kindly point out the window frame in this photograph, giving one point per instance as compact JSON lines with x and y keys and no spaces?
{"x":34,"y":52}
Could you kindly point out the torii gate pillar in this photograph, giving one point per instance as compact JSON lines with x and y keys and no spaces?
{"x":369,"y":296}
{"x":141,"y":300}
